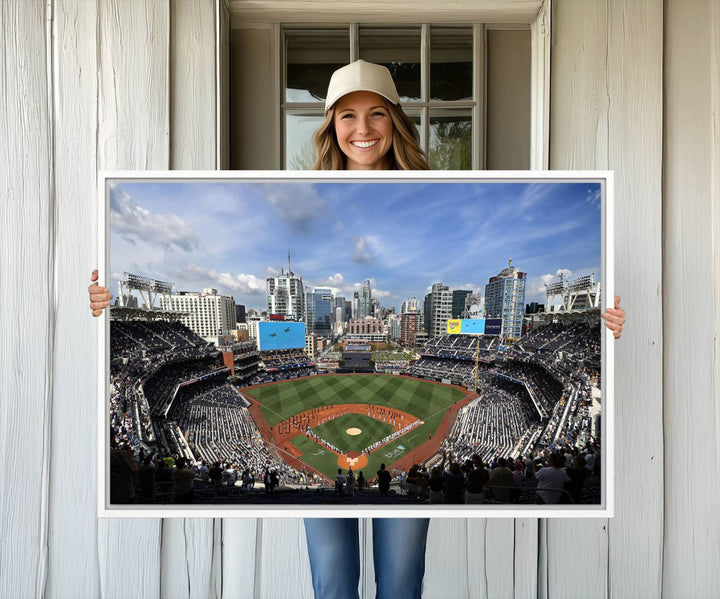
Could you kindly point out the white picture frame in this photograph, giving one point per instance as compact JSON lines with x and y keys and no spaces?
{"x":602,"y":202}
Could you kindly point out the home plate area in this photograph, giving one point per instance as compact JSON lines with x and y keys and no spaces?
{"x":352,"y":459}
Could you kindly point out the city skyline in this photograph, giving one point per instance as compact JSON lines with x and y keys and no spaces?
{"x":403,"y":236}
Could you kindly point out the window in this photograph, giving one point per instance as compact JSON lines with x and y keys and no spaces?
{"x":467,"y":87}
{"x":433,"y":68}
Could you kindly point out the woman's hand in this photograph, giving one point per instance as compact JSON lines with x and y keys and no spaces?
{"x":99,"y":296}
{"x":615,"y":318}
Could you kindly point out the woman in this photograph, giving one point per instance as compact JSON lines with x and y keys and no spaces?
{"x":364,"y":129}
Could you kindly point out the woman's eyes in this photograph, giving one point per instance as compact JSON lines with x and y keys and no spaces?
{"x":350,"y":115}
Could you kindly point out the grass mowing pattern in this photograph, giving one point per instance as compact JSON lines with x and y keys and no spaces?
{"x":334,"y":431}
{"x":427,"y":401}
{"x":420,"y":398}
{"x":317,"y":456}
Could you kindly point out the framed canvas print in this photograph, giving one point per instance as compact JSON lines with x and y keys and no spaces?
{"x":336,"y":344}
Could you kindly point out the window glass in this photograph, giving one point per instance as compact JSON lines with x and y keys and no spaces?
{"x":450,"y":145}
{"x":451,"y":63}
{"x":399,"y":51}
{"x":299,"y":150}
{"x":310,"y":59}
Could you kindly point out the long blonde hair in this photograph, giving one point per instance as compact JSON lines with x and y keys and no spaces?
{"x":405,"y":153}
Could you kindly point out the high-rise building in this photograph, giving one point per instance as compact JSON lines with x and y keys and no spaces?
{"x":339,"y":309}
{"x":409,"y":305}
{"x":365,"y":306}
{"x":355,"y":305}
{"x":393,"y":326}
{"x":409,"y":327}
{"x":440,"y":309}
{"x":427,"y":310}
{"x":206,"y":313}
{"x":319,"y":312}
{"x":286,"y":295}
{"x":369,"y":329}
{"x":240,"y":313}
{"x":458,"y":302}
{"x":505,"y":298}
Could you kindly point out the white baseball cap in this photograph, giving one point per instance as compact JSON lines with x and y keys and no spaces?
{"x":361,"y":76}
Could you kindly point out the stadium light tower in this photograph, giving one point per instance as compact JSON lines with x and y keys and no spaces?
{"x":581,"y":293}
{"x":148,"y":288}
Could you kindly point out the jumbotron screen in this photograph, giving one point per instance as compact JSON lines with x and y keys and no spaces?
{"x":281,"y":335}
{"x":466,"y":326}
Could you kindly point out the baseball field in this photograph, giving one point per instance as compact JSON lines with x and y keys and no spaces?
{"x":349,"y":413}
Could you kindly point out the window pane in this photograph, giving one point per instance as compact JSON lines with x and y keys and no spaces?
{"x":415,"y":116}
{"x":451,"y":56}
{"x":450,"y":139}
{"x":399,"y":51}
{"x":311,"y":57}
{"x":299,"y":150}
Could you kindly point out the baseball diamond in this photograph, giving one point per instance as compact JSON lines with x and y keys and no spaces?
{"x":355,"y":420}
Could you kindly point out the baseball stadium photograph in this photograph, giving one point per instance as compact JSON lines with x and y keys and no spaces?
{"x":368,"y":343}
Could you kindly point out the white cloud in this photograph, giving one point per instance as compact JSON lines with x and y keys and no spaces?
{"x":538,"y":286}
{"x":239,"y":283}
{"x":299,"y":206}
{"x":594,"y":197}
{"x":135,"y":223}
{"x":361,"y":253}
{"x":335,"y":280}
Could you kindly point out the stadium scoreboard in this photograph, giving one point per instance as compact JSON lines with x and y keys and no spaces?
{"x":277,"y":335}
{"x":474,"y":326}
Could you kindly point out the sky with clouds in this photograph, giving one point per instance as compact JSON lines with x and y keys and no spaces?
{"x":403,"y":236}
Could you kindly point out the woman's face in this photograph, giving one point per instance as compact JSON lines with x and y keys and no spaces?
{"x":364,"y":130}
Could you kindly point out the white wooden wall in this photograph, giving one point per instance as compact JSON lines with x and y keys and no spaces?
{"x":113,"y":84}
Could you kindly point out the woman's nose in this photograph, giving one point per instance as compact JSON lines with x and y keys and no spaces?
{"x":363,"y":125}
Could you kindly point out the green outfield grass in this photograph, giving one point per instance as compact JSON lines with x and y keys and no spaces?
{"x":427,"y":401}
{"x":334,"y":431}
{"x":317,"y":456}
{"x":420,"y":398}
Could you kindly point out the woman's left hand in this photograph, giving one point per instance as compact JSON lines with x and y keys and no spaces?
{"x":615,"y":318}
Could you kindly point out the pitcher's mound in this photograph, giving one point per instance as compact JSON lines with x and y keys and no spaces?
{"x":353,"y":459}
{"x":353,"y":431}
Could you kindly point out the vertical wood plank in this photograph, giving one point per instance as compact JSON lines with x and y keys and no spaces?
{"x":133,"y":134}
{"x":189,"y":564}
{"x":222,"y":61}
{"x":692,"y":324}
{"x":526,"y":557}
{"x":239,"y":558}
{"x":606,"y":98}
{"x":27,"y":311}
{"x":635,"y":48}
{"x":73,"y":569}
{"x":283,"y":575}
{"x":447,"y":559}
{"x":491,"y":560}
{"x":578,"y":140}
{"x":193,"y":85}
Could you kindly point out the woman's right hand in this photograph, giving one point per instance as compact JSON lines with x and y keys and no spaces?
{"x":99,"y":296}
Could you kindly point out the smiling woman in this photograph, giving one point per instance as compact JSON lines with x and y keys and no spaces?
{"x":365,"y":128}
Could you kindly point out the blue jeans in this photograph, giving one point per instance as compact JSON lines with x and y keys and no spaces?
{"x":398,"y":553}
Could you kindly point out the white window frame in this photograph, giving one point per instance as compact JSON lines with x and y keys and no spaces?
{"x":535,"y":14}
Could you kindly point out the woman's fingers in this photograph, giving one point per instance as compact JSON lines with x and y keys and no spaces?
{"x":99,"y":296}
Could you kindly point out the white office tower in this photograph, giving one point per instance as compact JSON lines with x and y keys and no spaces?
{"x":206,"y":313}
{"x":440,"y":309}
{"x":286,"y":295}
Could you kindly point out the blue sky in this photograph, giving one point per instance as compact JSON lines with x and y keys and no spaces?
{"x":403,"y":236}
